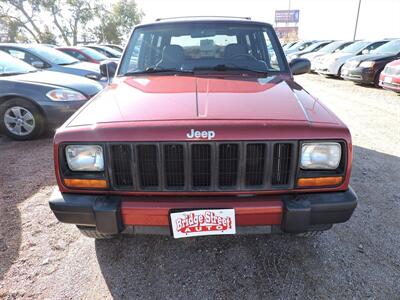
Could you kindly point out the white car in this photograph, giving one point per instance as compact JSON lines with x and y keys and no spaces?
{"x":331,"y":64}
{"x":328,"y":49}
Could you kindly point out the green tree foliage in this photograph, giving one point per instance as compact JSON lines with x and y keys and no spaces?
{"x":117,"y":21}
{"x":68,"y":21}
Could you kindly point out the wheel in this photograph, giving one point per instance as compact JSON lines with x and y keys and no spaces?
{"x":376,"y":79}
{"x":20,"y":119}
{"x":339,"y":72}
{"x":91,"y":232}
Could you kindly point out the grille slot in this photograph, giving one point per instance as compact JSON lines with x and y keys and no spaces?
{"x":228,"y":165}
{"x":201,"y":165}
{"x":174,"y":166}
{"x":255,"y":164}
{"x":121,"y":161}
{"x":281,"y":163}
{"x":147,"y":165}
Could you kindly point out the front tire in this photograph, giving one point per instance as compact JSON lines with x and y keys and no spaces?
{"x":20,"y":119}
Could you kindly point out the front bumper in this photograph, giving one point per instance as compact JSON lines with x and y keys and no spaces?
{"x":283,"y":213}
{"x":359,"y":75}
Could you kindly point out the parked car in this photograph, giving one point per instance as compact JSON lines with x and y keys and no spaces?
{"x":331,"y":64}
{"x":84,"y":54}
{"x":115,"y":47}
{"x":328,"y":49}
{"x":310,"y":49}
{"x":201,"y":133}
{"x":46,"y":58}
{"x":390,"y":76}
{"x":32,"y":100}
{"x":288,"y":45}
{"x":367,"y":68}
{"x":107,"y":51}
{"x":299,"y":46}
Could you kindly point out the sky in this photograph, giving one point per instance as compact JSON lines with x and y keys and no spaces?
{"x":319,"y":19}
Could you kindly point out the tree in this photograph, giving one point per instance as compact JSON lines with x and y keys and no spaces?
{"x":69,"y":19}
{"x":118,"y":21}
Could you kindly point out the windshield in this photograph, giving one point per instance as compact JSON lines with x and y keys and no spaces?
{"x":93,"y":53}
{"x":392,"y":47}
{"x":355,"y":47}
{"x":112,"y":51}
{"x":331,"y":47}
{"x":11,"y":65}
{"x":52,"y":55}
{"x":314,"y":46}
{"x":217,"y":46}
{"x":300,"y":46}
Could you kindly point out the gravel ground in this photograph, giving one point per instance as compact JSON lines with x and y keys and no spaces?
{"x":41,"y":258}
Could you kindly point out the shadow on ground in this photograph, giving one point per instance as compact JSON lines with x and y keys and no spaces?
{"x":22,"y":174}
{"x":355,"y":259}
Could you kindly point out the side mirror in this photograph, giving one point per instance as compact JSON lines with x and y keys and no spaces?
{"x":108,"y":69}
{"x":365,"y":51}
{"x":38,"y":64}
{"x":300,"y":66}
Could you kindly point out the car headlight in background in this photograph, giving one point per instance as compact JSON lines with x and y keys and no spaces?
{"x":85,"y":157}
{"x":367,"y":64}
{"x":325,"y":155}
{"x":65,"y":95}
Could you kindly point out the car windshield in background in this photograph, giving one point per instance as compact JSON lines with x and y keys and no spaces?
{"x":93,"y":53}
{"x":392,"y":47}
{"x":112,"y":51}
{"x":53,"y":55}
{"x":202,"y":46}
{"x":330,"y":47}
{"x":11,"y":66}
{"x":355,"y":47}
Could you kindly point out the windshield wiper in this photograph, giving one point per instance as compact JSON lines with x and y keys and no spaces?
{"x":12,"y":73}
{"x":229,"y":67}
{"x":156,"y":70}
{"x":69,"y":63}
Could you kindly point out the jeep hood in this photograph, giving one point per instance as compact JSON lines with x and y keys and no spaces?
{"x":169,"y":98}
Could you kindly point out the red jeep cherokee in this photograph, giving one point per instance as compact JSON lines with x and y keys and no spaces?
{"x":203,"y":131}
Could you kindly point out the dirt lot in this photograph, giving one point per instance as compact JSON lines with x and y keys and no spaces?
{"x":41,"y":258}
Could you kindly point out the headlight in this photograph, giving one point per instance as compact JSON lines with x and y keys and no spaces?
{"x":367,"y":64}
{"x":320,"y":156}
{"x":65,"y":95}
{"x":85,"y":157}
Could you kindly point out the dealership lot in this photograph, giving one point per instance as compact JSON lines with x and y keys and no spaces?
{"x":42,"y":258}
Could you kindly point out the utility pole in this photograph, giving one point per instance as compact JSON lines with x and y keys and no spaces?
{"x":358,"y":14}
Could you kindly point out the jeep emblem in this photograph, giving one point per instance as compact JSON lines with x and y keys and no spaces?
{"x":197,"y":134}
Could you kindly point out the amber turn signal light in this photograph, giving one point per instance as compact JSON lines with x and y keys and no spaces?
{"x":319,"y":181}
{"x":86,"y":183}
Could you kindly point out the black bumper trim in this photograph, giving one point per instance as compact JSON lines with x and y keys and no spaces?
{"x":97,"y":211}
{"x":304,"y":211}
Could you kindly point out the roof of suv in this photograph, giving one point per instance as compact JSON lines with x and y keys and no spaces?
{"x":203,"y":19}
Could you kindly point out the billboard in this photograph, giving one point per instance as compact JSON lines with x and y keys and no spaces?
{"x":287,"y":16}
{"x":287,"y":33}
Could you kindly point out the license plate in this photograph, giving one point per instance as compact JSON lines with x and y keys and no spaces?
{"x":203,"y":222}
{"x":345,"y":72}
{"x":387,"y":79}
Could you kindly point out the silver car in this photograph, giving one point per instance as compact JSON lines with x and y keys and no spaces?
{"x":328,"y":49}
{"x":331,"y":64}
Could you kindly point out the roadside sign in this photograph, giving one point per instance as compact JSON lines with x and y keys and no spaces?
{"x":287,"y":16}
